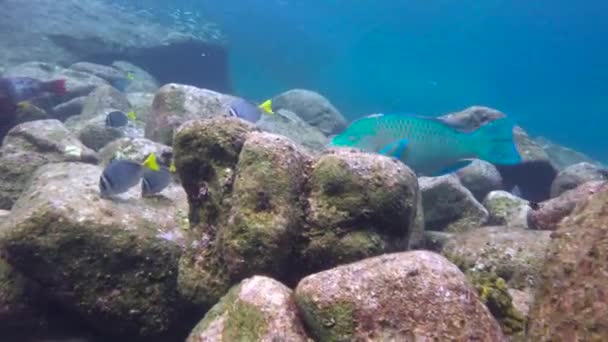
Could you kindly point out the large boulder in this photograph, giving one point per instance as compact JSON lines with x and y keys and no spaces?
{"x":550,"y":213}
{"x":175,"y":104}
{"x":562,"y":156}
{"x":266,"y":214}
{"x":31,"y":145}
{"x":575,"y":175}
{"x":142,"y":82}
{"x":514,"y":255}
{"x":395,"y":297}
{"x":290,"y":125}
{"x":135,"y":149}
{"x":480,"y":177}
{"x":113,"y":263}
{"x":313,"y":108}
{"x":507,"y":210}
{"x":101,"y":99}
{"x":360,"y":205}
{"x":570,"y":302}
{"x":258,"y":309}
{"x":449,"y":206}
{"x":108,"y":73}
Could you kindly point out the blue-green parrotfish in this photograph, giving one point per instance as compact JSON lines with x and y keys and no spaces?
{"x":429,"y":145}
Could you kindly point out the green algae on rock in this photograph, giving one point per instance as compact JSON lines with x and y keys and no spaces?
{"x":395,"y":297}
{"x":257,"y":309}
{"x":507,"y":210}
{"x":266,"y":214}
{"x":570,"y":302}
{"x":359,"y":205}
{"x":114,"y":264}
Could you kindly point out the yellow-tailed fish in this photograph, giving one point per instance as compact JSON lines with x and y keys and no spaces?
{"x":266,"y":106}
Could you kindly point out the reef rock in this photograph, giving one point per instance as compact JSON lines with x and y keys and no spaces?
{"x":562,"y":156}
{"x":480,"y":177}
{"x":113,"y":263}
{"x":258,"y":309}
{"x":136,"y":149}
{"x":69,"y":108}
{"x":507,"y":210}
{"x":96,"y":134}
{"x":108,"y":73}
{"x":313,"y":108}
{"x":575,"y":175}
{"x":472,"y":118}
{"x":3,"y":215}
{"x":100,"y":100}
{"x":514,"y":255}
{"x":360,"y":205}
{"x":449,"y":206}
{"x":290,"y":125}
{"x":31,"y":145}
{"x":142,"y":82}
{"x":550,"y":213}
{"x":141,"y":105}
{"x":175,"y":104}
{"x":395,"y":297}
{"x":570,"y":303}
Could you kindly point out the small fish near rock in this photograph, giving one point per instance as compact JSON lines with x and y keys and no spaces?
{"x":247,"y":111}
{"x":121,"y":175}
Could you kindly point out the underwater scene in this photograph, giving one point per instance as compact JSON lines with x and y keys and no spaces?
{"x":291,"y":170}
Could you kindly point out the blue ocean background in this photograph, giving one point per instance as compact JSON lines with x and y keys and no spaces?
{"x":544,"y":63}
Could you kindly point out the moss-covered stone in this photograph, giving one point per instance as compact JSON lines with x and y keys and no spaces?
{"x":507,"y":210}
{"x":359,"y":205}
{"x":266,"y":214}
{"x":258,"y":309}
{"x":335,"y":322}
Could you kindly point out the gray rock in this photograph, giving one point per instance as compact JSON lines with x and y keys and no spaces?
{"x":480,"y":177}
{"x":3,"y":215}
{"x":575,"y":175}
{"x":507,"y":210}
{"x":69,"y":108}
{"x":108,"y":73}
{"x":95,"y":134}
{"x":514,"y":255}
{"x":472,"y":117}
{"x":290,"y":125}
{"x":142,"y":81}
{"x":449,"y":206}
{"x":313,"y":108}
{"x":118,"y":258}
{"x":417,"y":237}
{"x":258,"y":309}
{"x":411,"y":296}
{"x":135,"y":149}
{"x":100,"y":100}
{"x":141,"y":105}
{"x":562,"y":156}
{"x":175,"y":104}
{"x":31,"y":145}
{"x":528,"y":149}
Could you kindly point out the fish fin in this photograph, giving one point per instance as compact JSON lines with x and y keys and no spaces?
{"x":266,"y":107}
{"x":151,"y":162}
{"x":23,"y":105}
{"x":130,"y":76}
{"x":394,"y":149}
{"x":172,"y":167}
{"x":131,"y":115}
{"x":495,"y":143}
{"x":454,"y":167}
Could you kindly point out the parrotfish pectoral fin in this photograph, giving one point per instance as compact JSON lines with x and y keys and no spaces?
{"x":453,"y":168}
{"x":494,"y":143}
{"x":394,"y":149}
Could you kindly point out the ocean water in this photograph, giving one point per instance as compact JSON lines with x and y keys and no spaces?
{"x":545,"y":63}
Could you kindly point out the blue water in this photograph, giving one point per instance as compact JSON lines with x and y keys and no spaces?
{"x":545,"y":63}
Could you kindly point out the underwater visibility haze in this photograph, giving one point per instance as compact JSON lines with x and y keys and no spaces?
{"x":303,"y":170}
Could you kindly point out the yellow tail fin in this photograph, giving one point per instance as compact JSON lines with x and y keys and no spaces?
{"x":172,"y":168}
{"x":266,"y":106}
{"x":151,"y":162}
{"x":131,"y":115}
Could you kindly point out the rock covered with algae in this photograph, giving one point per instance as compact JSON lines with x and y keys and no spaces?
{"x":259,"y":204}
{"x":406,"y":296}
{"x":113,"y":263}
{"x":570,"y":303}
{"x":257,"y":309}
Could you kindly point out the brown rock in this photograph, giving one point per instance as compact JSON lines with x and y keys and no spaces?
{"x":551,"y":212}
{"x":411,"y":296}
{"x":258,"y":309}
{"x":571,"y":303}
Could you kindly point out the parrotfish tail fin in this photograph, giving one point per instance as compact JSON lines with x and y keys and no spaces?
{"x":151,"y":162}
{"x":495,"y":143}
{"x":56,"y":87}
{"x":266,"y":106}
